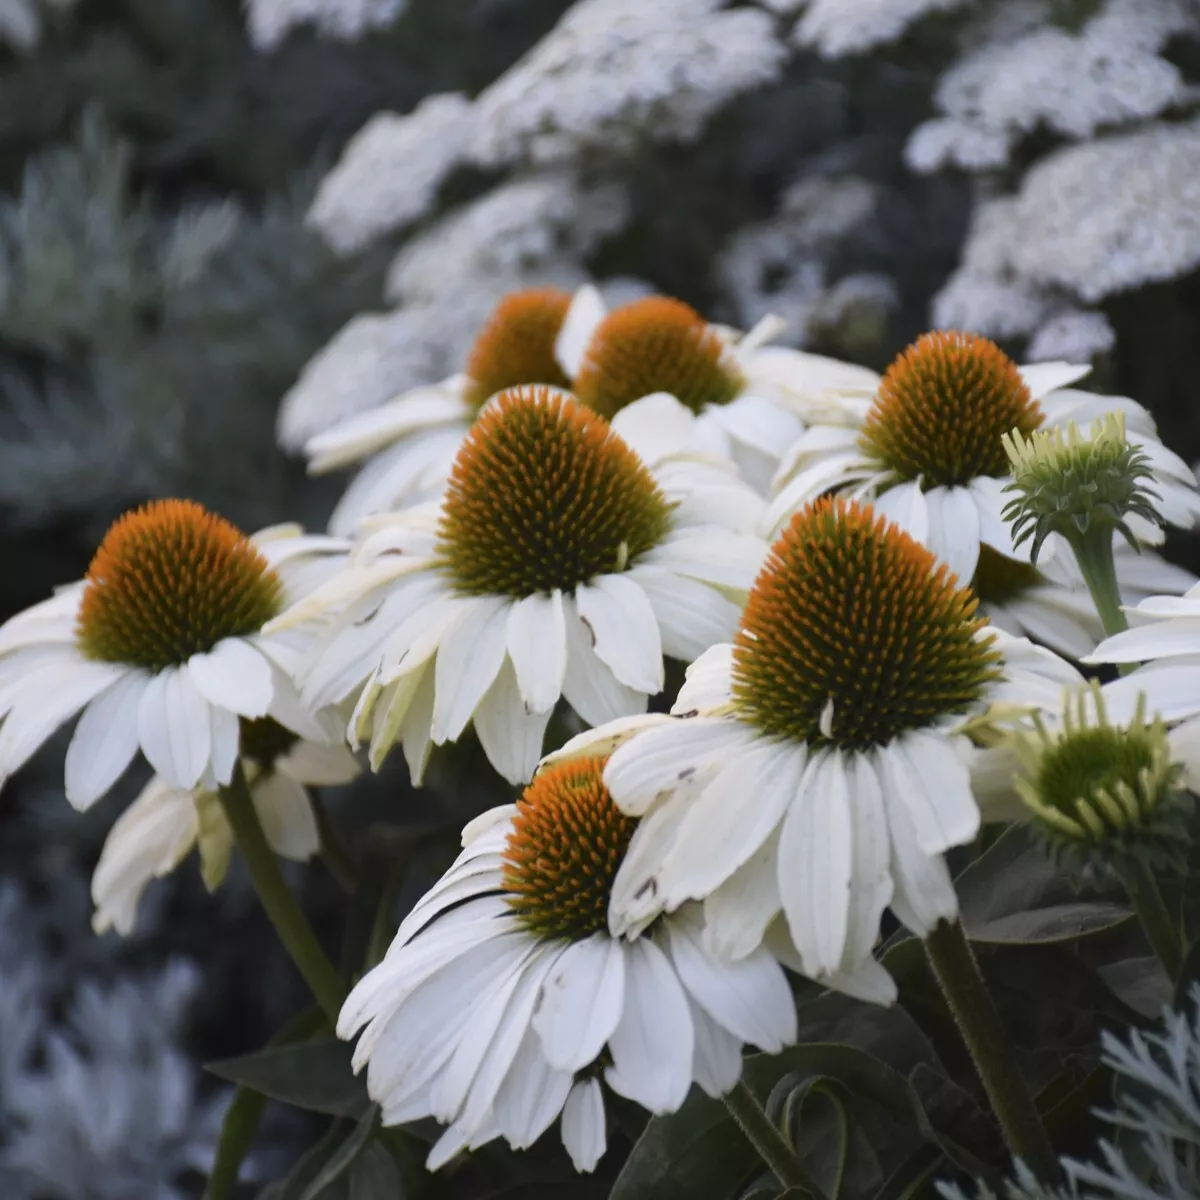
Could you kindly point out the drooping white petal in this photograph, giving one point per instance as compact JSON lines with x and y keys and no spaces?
{"x":589,"y":687}
{"x":954,"y":530}
{"x":721,"y":557}
{"x":287,"y":818}
{"x":624,"y":629}
{"x":750,"y":998}
{"x":235,"y":676}
{"x":1179,"y":635}
{"x":510,"y":736}
{"x":871,"y":879}
{"x":468,"y":660}
{"x":816,"y":863}
{"x":938,"y":789}
{"x":717,"y":1055}
{"x":537,"y":645}
{"x":48,"y":699}
{"x":656,"y":760}
{"x":731,"y":818}
{"x":532,"y":1095}
{"x":175,"y":728}
{"x":584,"y":313}
{"x":738,"y":913}
{"x":652,"y":1044}
{"x":581,"y":1002}
{"x":907,"y":507}
{"x":691,"y":615}
{"x":994,"y":530}
{"x":225,"y":732}
{"x":105,"y":740}
{"x":583,"y":1132}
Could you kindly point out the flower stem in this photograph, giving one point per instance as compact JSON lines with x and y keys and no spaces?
{"x":1161,"y":930}
{"x":1094,"y":554}
{"x":957,"y":972}
{"x":773,"y":1148}
{"x":277,"y":899}
{"x":337,"y":858}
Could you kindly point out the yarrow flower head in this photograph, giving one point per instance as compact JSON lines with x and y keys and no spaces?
{"x":505,"y":983}
{"x":752,"y":399}
{"x":817,"y":767}
{"x":1077,"y":487}
{"x":411,"y":441}
{"x":566,"y":558}
{"x":928,"y":443}
{"x":161,"y":827}
{"x":162,"y":647}
{"x":1104,"y":797}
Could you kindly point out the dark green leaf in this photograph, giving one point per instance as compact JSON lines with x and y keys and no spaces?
{"x":306,"y":1168}
{"x":240,"y":1125}
{"x":816,"y":1124}
{"x":344,"y":1157}
{"x":313,"y":1075}
{"x":375,"y":1176}
{"x":1014,"y":894}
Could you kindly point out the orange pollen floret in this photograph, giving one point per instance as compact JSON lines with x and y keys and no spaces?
{"x":656,"y":345}
{"x":854,"y":634}
{"x":567,"y":843}
{"x":170,"y":580}
{"x":516,"y":346}
{"x":544,"y":495}
{"x":943,"y":407}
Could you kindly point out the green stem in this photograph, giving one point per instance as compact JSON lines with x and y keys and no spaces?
{"x":772,"y":1146}
{"x":1161,"y":930}
{"x":957,"y":972}
{"x":1094,"y":554}
{"x":277,"y":899}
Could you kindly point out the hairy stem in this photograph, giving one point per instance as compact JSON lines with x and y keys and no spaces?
{"x":773,"y":1148}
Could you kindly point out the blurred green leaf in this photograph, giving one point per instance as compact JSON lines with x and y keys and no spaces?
{"x":375,"y":1176}
{"x":313,"y":1075}
{"x":344,"y":1157}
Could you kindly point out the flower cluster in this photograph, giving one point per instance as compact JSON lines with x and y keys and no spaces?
{"x":874,"y":664}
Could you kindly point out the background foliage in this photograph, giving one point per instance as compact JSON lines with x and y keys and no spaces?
{"x":194,"y":229}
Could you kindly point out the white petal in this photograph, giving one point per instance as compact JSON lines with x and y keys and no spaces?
{"x":652,"y":1044}
{"x":1045,"y":377}
{"x":532,"y":1095}
{"x":1179,"y":635}
{"x":286,"y":814}
{"x":938,"y":790}
{"x":226,"y":735}
{"x":322,"y":766}
{"x":923,"y":892}
{"x":750,"y":998}
{"x":871,"y":879}
{"x":691,"y":616}
{"x":739,"y":912}
{"x":656,"y":760}
{"x":510,"y":736}
{"x":583,"y":1131}
{"x":816,"y":852}
{"x":174,"y":727}
{"x":625,"y":631}
{"x":718,"y":556}
{"x":147,"y":841}
{"x":717,"y":1054}
{"x":634,"y":901}
{"x":906,"y":506}
{"x":655,"y":427}
{"x":581,"y":1002}
{"x":589,"y":687}
{"x":994,"y":530}
{"x":708,"y":682}
{"x":47,"y":700}
{"x":954,"y":530}
{"x":105,"y":741}
{"x":732,"y":817}
{"x":586,"y":311}
{"x":235,"y":676}
{"x":537,"y":645}
{"x":469,"y":658}
{"x":416,"y":727}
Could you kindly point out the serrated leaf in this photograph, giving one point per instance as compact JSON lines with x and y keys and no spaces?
{"x":344,"y":1157}
{"x":1013,"y":894}
{"x":312,"y":1075}
{"x":242,"y":1118}
{"x":375,"y":1176}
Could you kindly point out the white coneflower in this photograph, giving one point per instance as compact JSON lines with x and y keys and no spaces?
{"x":566,"y":559}
{"x":752,"y":399}
{"x":162,"y":647}
{"x":410,"y":442}
{"x":505,"y":1001}
{"x":928,"y":446}
{"x":817,"y":766}
{"x":161,"y":827}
